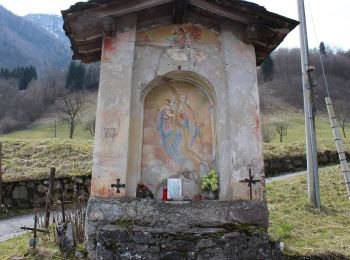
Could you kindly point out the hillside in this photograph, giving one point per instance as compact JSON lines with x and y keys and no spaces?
{"x":24,"y":43}
{"x":281,"y":89}
{"x":52,"y":24}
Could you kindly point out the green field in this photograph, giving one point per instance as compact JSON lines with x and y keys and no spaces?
{"x":296,"y":129}
{"x":46,"y":131}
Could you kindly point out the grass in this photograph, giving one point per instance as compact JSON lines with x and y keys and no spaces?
{"x":30,"y":160}
{"x":296,"y":129}
{"x":47,"y":130}
{"x":19,"y":247}
{"x":308,"y":231}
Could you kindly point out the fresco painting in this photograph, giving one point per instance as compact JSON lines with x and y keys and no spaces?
{"x":177,"y":135}
{"x":178,"y":35}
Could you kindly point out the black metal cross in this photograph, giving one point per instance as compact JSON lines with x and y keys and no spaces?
{"x":118,"y":186}
{"x":62,"y":202}
{"x":35,"y":229}
{"x":250,"y":182}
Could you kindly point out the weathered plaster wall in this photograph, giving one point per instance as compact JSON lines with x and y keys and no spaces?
{"x":229,"y":66}
{"x":245,"y":142}
{"x":113,"y":110}
{"x":201,"y":56}
{"x":133,"y":60}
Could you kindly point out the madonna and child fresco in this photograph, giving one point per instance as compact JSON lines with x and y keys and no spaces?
{"x":178,"y":135}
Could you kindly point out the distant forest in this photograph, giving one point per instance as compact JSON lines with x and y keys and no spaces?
{"x":25,"y":97}
{"x":280,"y":76}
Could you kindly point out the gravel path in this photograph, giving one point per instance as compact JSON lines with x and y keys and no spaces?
{"x":12,"y":227}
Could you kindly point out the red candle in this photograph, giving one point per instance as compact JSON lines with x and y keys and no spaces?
{"x":165,"y":194}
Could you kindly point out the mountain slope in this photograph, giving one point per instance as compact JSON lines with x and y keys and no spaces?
{"x":51,"y":23}
{"x":24,"y":43}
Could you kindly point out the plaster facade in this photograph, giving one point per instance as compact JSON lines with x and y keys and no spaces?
{"x":136,"y":60}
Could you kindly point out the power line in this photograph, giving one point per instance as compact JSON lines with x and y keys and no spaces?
{"x":319,"y":53}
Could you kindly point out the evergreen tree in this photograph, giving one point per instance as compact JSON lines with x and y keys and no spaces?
{"x":76,"y":76}
{"x":267,"y":68}
{"x":26,"y":75}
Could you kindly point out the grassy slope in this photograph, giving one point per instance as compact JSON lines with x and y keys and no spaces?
{"x":305,"y":230}
{"x":25,"y":160}
{"x":18,"y":247}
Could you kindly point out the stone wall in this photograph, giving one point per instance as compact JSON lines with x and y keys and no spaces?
{"x":32,"y":194}
{"x":149,"y":229}
{"x":28,"y":194}
{"x":276,"y":166}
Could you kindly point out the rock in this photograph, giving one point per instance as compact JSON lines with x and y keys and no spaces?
{"x":42,"y":189}
{"x":57,"y":186}
{"x":205,"y":243}
{"x":79,"y":255}
{"x":65,"y":237}
{"x":78,"y":180}
{"x":20,"y":192}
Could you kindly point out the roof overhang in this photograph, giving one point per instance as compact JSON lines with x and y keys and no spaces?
{"x":85,"y":22}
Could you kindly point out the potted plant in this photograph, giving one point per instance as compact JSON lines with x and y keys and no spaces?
{"x":210,"y":183}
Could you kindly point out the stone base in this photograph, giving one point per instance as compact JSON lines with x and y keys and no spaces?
{"x":150,"y":229}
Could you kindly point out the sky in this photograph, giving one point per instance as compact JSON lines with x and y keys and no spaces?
{"x":330,"y":19}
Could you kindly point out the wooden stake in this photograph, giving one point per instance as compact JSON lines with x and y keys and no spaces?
{"x":1,"y":173}
{"x":49,"y":196}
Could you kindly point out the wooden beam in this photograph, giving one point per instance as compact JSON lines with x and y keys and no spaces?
{"x":179,"y":10}
{"x":89,"y":16}
{"x":224,"y":12}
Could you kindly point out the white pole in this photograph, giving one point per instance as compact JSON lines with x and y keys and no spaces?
{"x":311,"y":148}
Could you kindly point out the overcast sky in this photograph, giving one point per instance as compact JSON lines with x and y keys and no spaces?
{"x":330,"y":17}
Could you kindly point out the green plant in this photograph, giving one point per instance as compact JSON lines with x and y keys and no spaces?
{"x":211,"y":181}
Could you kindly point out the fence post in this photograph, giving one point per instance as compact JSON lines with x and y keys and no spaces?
{"x":1,"y":174}
{"x":55,"y":128}
{"x":49,"y":197}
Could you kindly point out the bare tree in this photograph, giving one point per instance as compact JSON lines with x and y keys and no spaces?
{"x":72,"y":103}
{"x":342,"y":115}
{"x":91,"y":126}
{"x":281,"y":129}
{"x":267,"y":132}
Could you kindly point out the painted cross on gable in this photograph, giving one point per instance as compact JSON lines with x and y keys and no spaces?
{"x":118,"y":186}
{"x":251,"y":182}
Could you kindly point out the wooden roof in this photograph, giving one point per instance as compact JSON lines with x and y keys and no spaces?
{"x":84,"y":22}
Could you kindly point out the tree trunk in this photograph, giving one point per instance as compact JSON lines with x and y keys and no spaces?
{"x":281,"y":138}
{"x":343,"y":128}
{"x":71,"y":132}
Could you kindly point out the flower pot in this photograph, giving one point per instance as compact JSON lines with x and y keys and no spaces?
{"x":212,"y":195}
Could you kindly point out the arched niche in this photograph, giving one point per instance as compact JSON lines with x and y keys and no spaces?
{"x":178,"y":133}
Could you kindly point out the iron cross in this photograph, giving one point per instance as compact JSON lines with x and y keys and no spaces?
{"x":250,"y":182}
{"x":118,"y":186}
{"x":34,"y":241}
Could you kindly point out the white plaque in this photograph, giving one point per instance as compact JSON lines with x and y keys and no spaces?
{"x":175,"y":189}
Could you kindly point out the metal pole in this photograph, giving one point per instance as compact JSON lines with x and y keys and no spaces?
{"x":310,"y":133}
